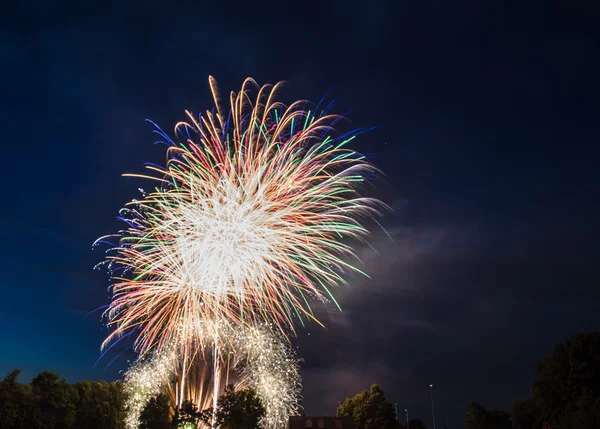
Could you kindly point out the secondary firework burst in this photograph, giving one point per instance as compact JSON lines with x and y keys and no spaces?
{"x":249,"y":222}
{"x":145,"y":380}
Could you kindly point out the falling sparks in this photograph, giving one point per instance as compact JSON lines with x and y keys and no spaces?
{"x":248,"y":223}
{"x":256,"y":357}
{"x":144,"y":380}
{"x":272,"y":370}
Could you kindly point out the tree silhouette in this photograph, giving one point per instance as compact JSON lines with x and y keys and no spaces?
{"x":53,"y":402}
{"x":236,"y":410}
{"x":416,"y":424}
{"x":50,"y":402}
{"x":156,"y":414}
{"x":566,"y":393}
{"x":369,"y":409}
{"x":187,"y":415}
{"x":14,"y":400}
{"x":479,"y":418}
{"x":99,"y":405}
{"x":525,"y":414}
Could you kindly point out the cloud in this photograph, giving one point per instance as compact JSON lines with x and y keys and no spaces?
{"x":330,"y":386}
{"x":441,"y":299}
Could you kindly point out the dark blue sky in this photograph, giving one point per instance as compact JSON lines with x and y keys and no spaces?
{"x":488,"y":133}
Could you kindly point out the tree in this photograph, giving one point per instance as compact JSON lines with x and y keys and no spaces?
{"x":498,"y":419}
{"x":50,"y":402}
{"x":479,"y":418}
{"x":369,"y":409}
{"x":584,"y":414}
{"x":476,"y":416}
{"x":186,"y":416}
{"x":53,"y":404}
{"x":156,"y":414}
{"x":566,"y":393}
{"x":416,"y":424}
{"x":236,"y":410}
{"x":525,"y":414}
{"x":99,"y":405}
{"x":14,"y":401}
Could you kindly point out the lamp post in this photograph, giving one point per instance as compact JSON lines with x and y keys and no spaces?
{"x":406,"y":413}
{"x":432,"y":406}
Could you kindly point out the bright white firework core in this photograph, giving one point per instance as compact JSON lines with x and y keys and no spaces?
{"x":249,"y":224}
{"x":223,"y":239}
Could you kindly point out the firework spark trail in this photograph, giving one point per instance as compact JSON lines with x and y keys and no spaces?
{"x":261,"y":359}
{"x":248,"y":223}
{"x":144,"y":380}
{"x":271,"y":368}
{"x":198,"y":381}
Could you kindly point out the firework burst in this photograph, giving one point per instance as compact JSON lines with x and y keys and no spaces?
{"x":248,"y":224}
{"x":255,"y":357}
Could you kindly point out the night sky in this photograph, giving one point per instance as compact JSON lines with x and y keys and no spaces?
{"x":487,"y":131}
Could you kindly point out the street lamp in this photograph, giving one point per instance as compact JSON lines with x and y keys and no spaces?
{"x":406,"y":412}
{"x":432,"y":406}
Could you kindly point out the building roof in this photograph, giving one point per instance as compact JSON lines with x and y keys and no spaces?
{"x":327,"y":422}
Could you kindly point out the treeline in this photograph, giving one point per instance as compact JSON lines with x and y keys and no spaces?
{"x":49,"y":402}
{"x":241,"y":409}
{"x":565,"y":395}
{"x":371,"y":410}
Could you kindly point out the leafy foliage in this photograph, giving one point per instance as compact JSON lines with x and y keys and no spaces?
{"x":14,"y":401}
{"x":186,"y":416}
{"x":53,"y":402}
{"x":416,"y":424}
{"x":369,"y":409}
{"x":566,"y":393}
{"x":98,"y":405}
{"x":156,"y":414}
{"x":479,"y":418}
{"x":525,"y":414}
{"x":49,"y":402}
{"x":236,"y":410}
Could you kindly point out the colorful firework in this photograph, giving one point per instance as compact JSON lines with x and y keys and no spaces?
{"x":254,"y":357}
{"x":271,"y":368}
{"x":144,"y":380}
{"x":247,"y":225}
